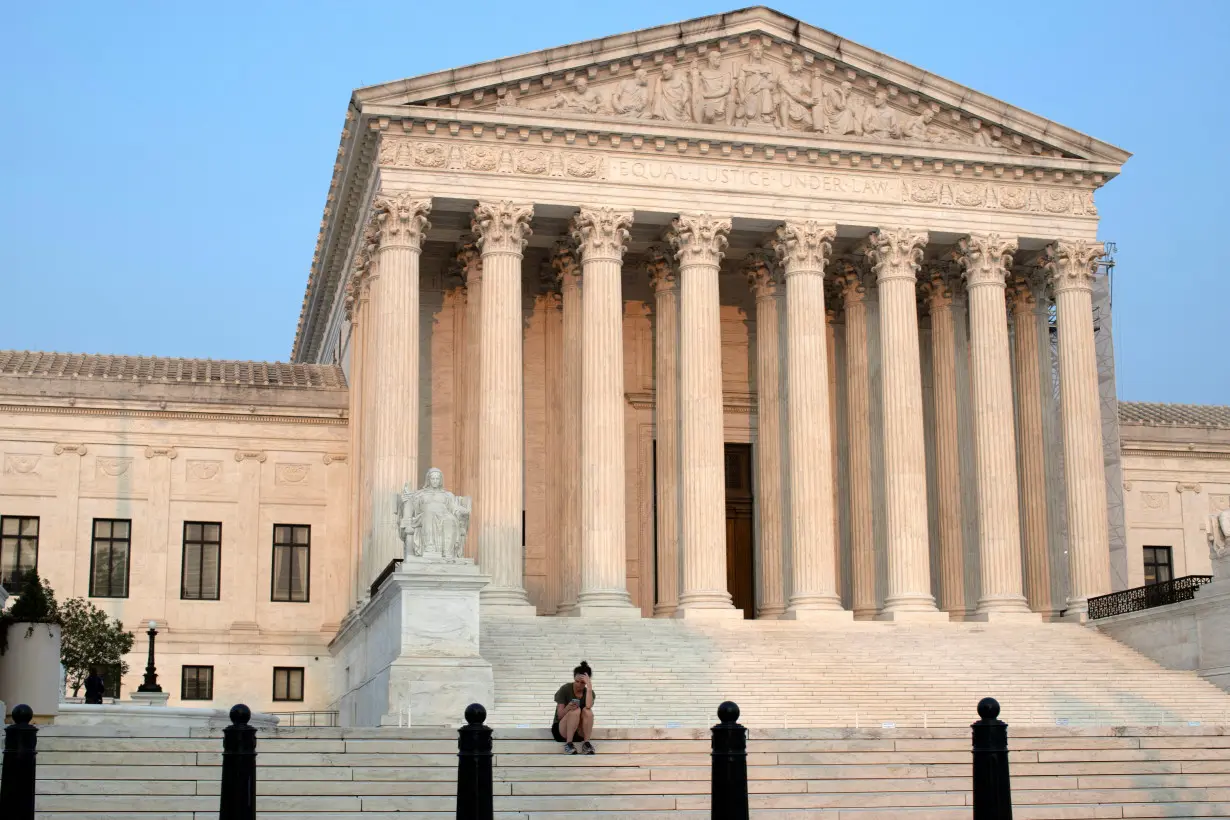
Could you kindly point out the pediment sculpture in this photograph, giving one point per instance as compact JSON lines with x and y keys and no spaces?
{"x":752,"y":91}
{"x":432,"y":521}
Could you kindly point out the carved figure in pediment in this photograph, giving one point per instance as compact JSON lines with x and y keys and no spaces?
{"x":631,"y":98}
{"x":739,"y":91}
{"x":672,"y":101}
{"x":581,"y":99}
{"x":982,"y":137}
{"x":711,"y":90}
{"x":918,"y":127}
{"x":755,"y":90}
{"x":432,"y":521}
{"x":842,"y":113}
{"x":799,"y":107}
{"x":936,"y":133}
{"x":880,"y":120}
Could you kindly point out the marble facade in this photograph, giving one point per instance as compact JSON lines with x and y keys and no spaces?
{"x":1176,"y":479}
{"x":159,"y":442}
{"x":568,"y":279}
{"x":611,"y":209}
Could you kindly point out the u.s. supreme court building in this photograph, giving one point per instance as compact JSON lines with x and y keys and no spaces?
{"x":727,"y":320}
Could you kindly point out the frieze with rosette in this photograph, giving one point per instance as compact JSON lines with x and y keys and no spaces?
{"x":482,"y":158}
{"x":202,"y":470}
{"x":1155,"y":500}
{"x":290,"y":473}
{"x":781,"y":175}
{"x":20,"y":464}
{"x":998,"y":196}
{"x":427,"y":155}
{"x":112,"y":466}
{"x":401,"y":153}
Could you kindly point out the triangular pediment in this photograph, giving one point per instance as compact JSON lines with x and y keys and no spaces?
{"x":755,"y":71}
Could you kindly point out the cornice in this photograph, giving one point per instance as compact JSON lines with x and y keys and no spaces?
{"x":338,"y":226}
{"x":178,"y":415}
